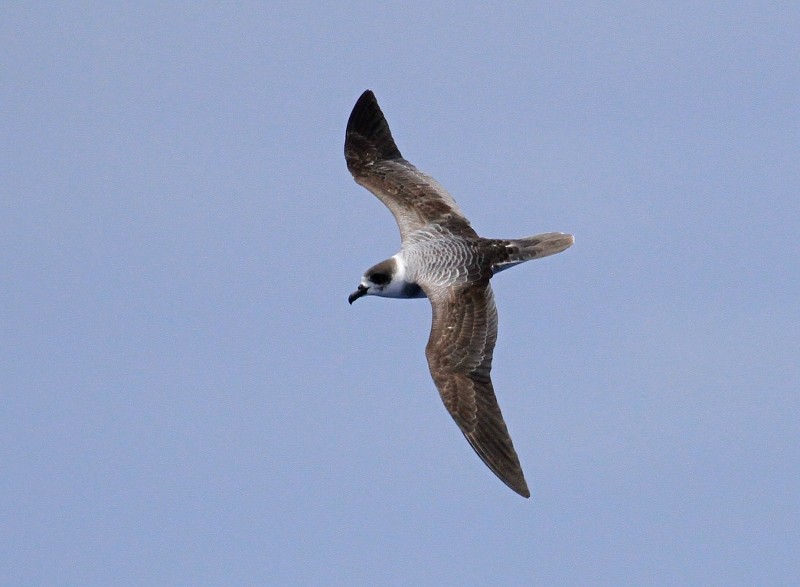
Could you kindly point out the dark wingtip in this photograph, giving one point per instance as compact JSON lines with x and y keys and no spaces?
{"x":515,"y":480}
{"x":368,"y":138}
{"x":497,"y":452}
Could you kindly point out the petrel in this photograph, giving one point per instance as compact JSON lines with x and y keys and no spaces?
{"x":442,"y":258}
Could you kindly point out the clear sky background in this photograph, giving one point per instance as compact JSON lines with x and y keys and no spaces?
{"x":188,"y":399}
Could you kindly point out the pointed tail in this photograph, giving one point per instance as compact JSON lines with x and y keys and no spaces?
{"x":533,"y":247}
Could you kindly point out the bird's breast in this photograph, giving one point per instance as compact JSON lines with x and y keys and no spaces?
{"x":441,"y":260}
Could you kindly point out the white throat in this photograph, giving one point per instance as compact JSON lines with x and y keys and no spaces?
{"x":398,"y":287}
{"x":400,"y":268}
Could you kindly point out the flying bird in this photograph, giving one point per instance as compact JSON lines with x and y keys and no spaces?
{"x":442,"y":258}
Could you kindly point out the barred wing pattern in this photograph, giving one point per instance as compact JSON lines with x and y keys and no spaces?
{"x":414,"y":198}
{"x":459,"y":352}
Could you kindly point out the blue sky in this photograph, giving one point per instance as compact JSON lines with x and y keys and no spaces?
{"x":188,"y":399}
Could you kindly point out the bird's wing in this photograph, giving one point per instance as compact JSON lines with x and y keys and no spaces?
{"x":414,"y":198}
{"x":459,"y":352}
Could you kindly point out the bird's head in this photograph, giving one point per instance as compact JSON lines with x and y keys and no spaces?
{"x":376,"y":281}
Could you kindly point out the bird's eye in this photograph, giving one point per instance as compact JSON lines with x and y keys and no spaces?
{"x":379,"y":278}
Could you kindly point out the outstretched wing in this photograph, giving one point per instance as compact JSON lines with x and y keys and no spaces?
{"x":414,"y":198}
{"x":459,"y":352}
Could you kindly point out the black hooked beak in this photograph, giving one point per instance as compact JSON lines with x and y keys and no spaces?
{"x":361,"y":291}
